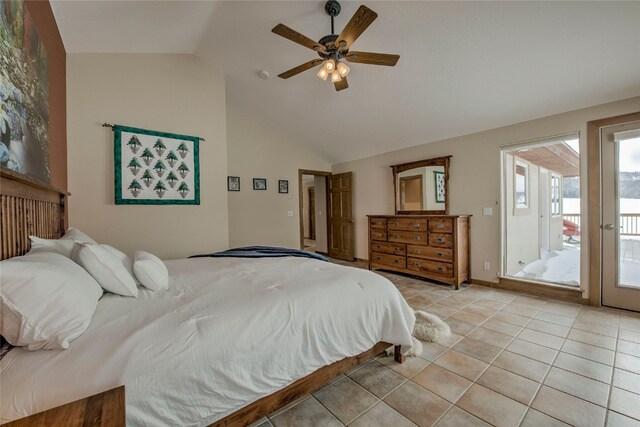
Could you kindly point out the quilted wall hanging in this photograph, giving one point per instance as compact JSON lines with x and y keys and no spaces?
{"x":155,"y":168}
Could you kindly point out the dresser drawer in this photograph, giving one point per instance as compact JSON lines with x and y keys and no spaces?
{"x":427,"y":252}
{"x":415,"y":237}
{"x":377,"y":234}
{"x":390,"y":260}
{"x":389,"y":248}
{"x":441,"y":240}
{"x":407,"y":224}
{"x":441,"y":225}
{"x":378,"y":222}
{"x":427,"y":266}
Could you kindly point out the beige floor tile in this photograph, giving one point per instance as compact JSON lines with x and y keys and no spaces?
{"x":521,"y":309}
{"x":585,"y":367}
{"x":610,"y":331}
{"x":532,"y":351}
{"x":502,"y":296}
{"x":408,"y":292}
{"x":450,"y":341}
{"x":440,"y":310}
{"x":628,"y":347}
{"x":346,"y":400}
{"x":549,"y":328}
{"x":521,"y":365}
{"x":492,"y":407}
{"x":627,"y":381}
{"x":502,"y":327}
{"x":381,"y":415}
{"x":294,"y":403}
{"x":628,"y":362}
{"x":630,"y":323}
{"x":442,"y":382}
{"x":576,"y":385}
{"x":530,"y":301}
{"x":625,"y":402}
{"x":599,"y":316}
{"x":597,"y":354}
{"x":417,"y":404}
{"x":263,"y":422}
{"x":490,"y":337}
{"x":480,"y":309}
{"x":457,"y":303}
{"x":422,"y":300}
{"x":459,"y":327}
{"x":468,"y":317}
{"x":618,"y":420}
{"x":377,"y":379}
{"x":511,"y":385}
{"x":561,"y":308}
{"x":309,"y":412}
{"x":408,"y":368}
{"x":461,"y":364}
{"x":546,"y":340}
{"x":431,"y":351}
{"x":495,"y":305}
{"x":567,"y":408}
{"x":593,"y":339}
{"x":628,"y":335}
{"x":514,"y":319}
{"x":538,"y":419}
{"x":456,"y":417}
{"x":554,"y":318}
{"x":478,"y":349}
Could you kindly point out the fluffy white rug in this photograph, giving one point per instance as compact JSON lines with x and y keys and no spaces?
{"x":429,"y":328}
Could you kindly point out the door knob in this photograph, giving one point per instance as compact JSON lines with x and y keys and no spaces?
{"x":610,"y":227}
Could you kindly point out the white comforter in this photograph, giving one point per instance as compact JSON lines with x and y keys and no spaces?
{"x":227,"y":332}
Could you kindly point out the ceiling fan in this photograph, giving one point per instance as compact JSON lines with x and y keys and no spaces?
{"x":334,"y":49}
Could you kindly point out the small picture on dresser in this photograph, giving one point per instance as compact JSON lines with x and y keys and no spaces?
{"x":233,"y":183}
{"x":259,"y":183}
{"x":283,"y":186}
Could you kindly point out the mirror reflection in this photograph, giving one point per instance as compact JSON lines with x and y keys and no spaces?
{"x":421,"y":189}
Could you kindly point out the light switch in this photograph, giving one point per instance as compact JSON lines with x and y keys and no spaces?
{"x":487,"y":211}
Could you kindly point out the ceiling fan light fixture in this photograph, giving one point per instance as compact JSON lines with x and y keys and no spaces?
{"x":335,"y":77}
{"x":323,"y":73}
{"x":330,"y":65}
{"x":343,"y":69}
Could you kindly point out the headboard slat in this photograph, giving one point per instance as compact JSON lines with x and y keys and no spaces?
{"x":28,"y":208}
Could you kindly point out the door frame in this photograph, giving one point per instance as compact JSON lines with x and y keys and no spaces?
{"x":301,"y":202}
{"x":594,"y":176}
{"x":544,"y":210}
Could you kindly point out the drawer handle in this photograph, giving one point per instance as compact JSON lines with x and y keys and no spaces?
{"x":416,"y":225}
{"x":395,"y":261}
{"x":416,"y":237}
{"x":417,"y":265}
{"x":417,"y":251}
{"x":440,"y":254}
{"x":397,"y":224}
{"x":440,"y":240}
{"x":439,"y":225}
{"x":395,"y":236}
{"x":377,"y":258}
{"x":440,"y":268}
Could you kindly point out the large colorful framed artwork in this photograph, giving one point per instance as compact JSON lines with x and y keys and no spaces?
{"x":24,"y":94}
{"x":155,"y":168}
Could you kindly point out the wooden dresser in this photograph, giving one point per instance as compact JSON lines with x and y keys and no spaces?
{"x":435,"y":247}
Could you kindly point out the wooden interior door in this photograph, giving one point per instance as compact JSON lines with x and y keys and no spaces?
{"x":341,"y":227}
{"x":312,"y":213}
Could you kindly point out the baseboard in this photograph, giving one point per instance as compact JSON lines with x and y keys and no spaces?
{"x":322,"y":253}
{"x":563,"y":293}
{"x":482,"y":283}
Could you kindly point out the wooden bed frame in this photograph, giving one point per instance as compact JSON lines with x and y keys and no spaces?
{"x":32,"y":208}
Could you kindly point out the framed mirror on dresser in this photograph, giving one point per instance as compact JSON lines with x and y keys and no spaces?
{"x":422,"y":239}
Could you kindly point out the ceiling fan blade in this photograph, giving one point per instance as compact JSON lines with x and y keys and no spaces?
{"x":356,"y":26}
{"x":300,"y":68}
{"x":341,"y":85}
{"x":372,"y":58}
{"x":288,"y":33}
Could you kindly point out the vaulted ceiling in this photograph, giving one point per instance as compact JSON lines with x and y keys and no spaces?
{"x":464,"y":66}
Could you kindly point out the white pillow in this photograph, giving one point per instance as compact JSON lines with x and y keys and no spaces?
{"x":150,"y":271}
{"x":126,"y":261}
{"x":46,"y":301}
{"x":108,"y":270}
{"x":61,"y":246}
{"x":78,"y":236}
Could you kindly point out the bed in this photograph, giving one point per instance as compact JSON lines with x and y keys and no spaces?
{"x":229,"y":342}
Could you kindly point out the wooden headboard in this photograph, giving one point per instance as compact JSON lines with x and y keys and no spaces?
{"x":28,"y":208}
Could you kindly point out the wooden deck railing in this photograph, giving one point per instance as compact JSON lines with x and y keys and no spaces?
{"x":630,"y":223}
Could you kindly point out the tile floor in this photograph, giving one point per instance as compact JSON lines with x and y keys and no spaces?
{"x":512,"y":360}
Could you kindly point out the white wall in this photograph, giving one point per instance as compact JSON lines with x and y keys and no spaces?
{"x":173,"y":93}
{"x":261,"y":217}
{"x":474,"y":180}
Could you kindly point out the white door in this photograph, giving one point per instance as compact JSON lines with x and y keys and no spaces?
{"x":620,"y":147}
{"x":543,"y":190}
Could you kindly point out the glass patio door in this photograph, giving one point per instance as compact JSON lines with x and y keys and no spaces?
{"x":620,"y":147}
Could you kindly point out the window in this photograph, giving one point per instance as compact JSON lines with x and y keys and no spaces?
{"x":521,"y":187}
{"x":556,"y":191}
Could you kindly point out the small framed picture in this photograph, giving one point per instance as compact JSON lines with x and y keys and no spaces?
{"x":259,"y":183}
{"x":283,"y":186}
{"x":233,"y":183}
